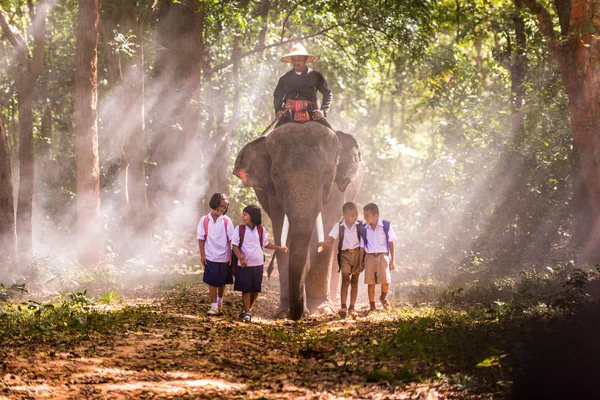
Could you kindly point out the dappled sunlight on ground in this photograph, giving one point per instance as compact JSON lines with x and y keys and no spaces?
{"x":181,"y":353}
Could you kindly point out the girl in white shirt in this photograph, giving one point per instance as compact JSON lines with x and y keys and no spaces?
{"x":214,"y":237}
{"x":247,"y":247}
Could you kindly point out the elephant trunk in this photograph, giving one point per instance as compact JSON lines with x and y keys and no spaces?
{"x":300,"y":234}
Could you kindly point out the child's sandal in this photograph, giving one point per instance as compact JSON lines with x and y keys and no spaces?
{"x":384,"y":302}
{"x":247,"y":317}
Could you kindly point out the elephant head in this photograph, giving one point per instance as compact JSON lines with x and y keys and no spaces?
{"x":298,"y":166}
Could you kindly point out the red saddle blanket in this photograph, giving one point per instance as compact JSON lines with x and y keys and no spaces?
{"x":300,"y":109}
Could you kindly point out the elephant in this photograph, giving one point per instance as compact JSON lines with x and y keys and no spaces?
{"x":302,"y":173}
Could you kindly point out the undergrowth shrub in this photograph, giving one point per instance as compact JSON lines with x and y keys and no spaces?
{"x":562,"y":286}
{"x":73,"y":316}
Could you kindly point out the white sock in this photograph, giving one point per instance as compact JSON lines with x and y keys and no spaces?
{"x":214,"y":306}
{"x":219,"y":300}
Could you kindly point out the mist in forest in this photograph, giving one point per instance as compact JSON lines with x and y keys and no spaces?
{"x":477,"y":178}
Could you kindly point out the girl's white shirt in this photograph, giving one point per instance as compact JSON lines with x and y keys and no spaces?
{"x":251,"y":248}
{"x":217,"y":244}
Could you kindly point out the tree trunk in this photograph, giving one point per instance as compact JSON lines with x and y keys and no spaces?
{"x":581,"y":73}
{"x":577,"y":55}
{"x":581,"y":225}
{"x":26,"y":169}
{"x":28,"y":71}
{"x":217,"y":133}
{"x":136,"y":214}
{"x":8,"y":234}
{"x":175,"y":118}
{"x":518,"y":69}
{"x":126,"y":77}
{"x":217,"y":157}
{"x":89,"y":232}
{"x":46,"y":132}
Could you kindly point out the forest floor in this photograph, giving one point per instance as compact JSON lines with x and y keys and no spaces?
{"x":169,"y":348}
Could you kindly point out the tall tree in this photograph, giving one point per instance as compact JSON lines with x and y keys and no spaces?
{"x":8,"y":234}
{"x":89,"y":231}
{"x":28,"y":70}
{"x":175,"y":87}
{"x":576,"y":50}
{"x":126,"y":76}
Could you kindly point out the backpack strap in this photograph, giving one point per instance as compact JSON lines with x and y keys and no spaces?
{"x":242,"y":234}
{"x":363,"y":234}
{"x":205,"y":225}
{"x":386,"y":230}
{"x":260,"y":230}
{"x":260,"y":235}
{"x":340,"y":242}
{"x":358,"y":228}
{"x":341,"y":235}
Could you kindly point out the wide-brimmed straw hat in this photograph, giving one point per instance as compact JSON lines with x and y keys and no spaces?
{"x":298,"y":50}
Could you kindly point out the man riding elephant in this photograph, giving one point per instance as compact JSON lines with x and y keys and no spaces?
{"x":295,"y":97}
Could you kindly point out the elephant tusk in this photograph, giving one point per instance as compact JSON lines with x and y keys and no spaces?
{"x":284,"y":230}
{"x":320,"y":234}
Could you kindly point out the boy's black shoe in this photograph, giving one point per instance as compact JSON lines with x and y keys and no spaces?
{"x":343,"y":312}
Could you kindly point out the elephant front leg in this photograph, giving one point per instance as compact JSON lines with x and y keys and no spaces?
{"x":276,"y":215}
{"x":284,"y":285}
{"x":318,"y":299}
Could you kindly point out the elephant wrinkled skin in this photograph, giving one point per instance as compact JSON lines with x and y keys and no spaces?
{"x":301,"y":170}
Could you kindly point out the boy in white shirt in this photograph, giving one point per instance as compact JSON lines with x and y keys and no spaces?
{"x":248,"y":242}
{"x":347,"y":231}
{"x":376,"y":254}
{"x":214,"y":233}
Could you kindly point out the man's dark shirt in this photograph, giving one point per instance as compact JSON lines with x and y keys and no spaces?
{"x":302,"y":87}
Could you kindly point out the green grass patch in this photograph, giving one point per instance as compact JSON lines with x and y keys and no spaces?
{"x":71,"y":317}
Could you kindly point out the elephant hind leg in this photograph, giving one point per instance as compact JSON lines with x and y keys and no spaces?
{"x":320,"y":306}
{"x":283,"y":313}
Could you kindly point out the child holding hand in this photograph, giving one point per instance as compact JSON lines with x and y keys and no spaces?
{"x":248,"y":242}
{"x":347,"y":231}
{"x":214,"y":233}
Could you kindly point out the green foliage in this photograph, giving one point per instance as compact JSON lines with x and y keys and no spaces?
{"x":562,"y":288}
{"x":5,"y":292}
{"x":424,"y":86}
{"x":71,"y":317}
{"x":109,"y":297}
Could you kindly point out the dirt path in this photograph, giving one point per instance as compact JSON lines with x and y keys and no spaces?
{"x":178,"y":352}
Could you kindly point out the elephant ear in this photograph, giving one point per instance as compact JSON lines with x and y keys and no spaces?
{"x":253,"y":165}
{"x":349,"y":161}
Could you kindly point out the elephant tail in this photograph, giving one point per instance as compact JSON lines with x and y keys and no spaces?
{"x":271,"y":266}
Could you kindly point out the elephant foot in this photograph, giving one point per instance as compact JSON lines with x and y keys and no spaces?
{"x":322,"y":307}
{"x":282,"y":313}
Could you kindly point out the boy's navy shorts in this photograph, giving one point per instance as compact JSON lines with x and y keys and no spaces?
{"x":248,"y":279}
{"x":217,"y":274}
